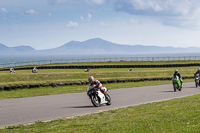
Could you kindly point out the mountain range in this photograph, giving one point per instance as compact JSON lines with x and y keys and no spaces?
{"x":94,"y":46}
{"x":4,"y":50}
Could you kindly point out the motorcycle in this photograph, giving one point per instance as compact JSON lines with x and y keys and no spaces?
{"x":12,"y":70}
{"x":176,"y":83}
{"x":34,"y":70}
{"x":97,"y":97}
{"x":197,"y":81}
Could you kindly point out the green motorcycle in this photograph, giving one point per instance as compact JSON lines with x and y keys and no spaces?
{"x":176,"y":83}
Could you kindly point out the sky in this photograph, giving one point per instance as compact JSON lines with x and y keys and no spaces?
{"x":45,"y":24}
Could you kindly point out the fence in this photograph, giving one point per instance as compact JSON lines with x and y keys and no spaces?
{"x":184,"y":58}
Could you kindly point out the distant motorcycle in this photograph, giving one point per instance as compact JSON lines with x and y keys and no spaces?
{"x":97,"y":97}
{"x":12,"y":70}
{"x":34,"y":70}
{"x":176,"y":83}
{"x":197,"y":81}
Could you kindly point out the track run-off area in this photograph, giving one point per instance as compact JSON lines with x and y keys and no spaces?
{"x":44,"y":108}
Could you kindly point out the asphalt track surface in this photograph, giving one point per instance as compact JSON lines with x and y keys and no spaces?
{"x":43,"y":108}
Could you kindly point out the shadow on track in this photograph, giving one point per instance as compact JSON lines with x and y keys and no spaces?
{"x":168,"y":91}
{"x":191,"y":87}
{"x":80,"y":107}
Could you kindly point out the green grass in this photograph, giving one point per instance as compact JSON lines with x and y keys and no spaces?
{"x":171,"y":116}
{"x":76,"y":75}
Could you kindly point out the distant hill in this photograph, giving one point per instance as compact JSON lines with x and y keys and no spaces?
{"x":100,"y":46}
{"x":96,"y":46}
{"x":19,"y":50}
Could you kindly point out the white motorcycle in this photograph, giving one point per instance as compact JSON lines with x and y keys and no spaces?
{"x":12,"y":70}
{"x":97,"y":97}
{"x":34,"y":70}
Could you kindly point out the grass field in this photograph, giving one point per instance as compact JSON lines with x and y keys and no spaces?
{"x":74,"y":75}
{"x":177,"y":115}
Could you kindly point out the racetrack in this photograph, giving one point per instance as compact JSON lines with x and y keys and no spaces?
{"x":42,"y":108}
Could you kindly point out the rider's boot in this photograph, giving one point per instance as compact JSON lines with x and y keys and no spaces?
{"x":106,"y":97}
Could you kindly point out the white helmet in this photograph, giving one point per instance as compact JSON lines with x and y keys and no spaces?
{"x":91,"y":79}
{"x":198,"y":69}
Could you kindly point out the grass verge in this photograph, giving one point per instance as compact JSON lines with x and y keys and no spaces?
{"x":177,"y":115}
{"x":22,"y":77}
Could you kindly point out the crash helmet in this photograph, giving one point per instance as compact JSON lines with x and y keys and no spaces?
{"x":91,"y":79}
{"x":176,"y":71}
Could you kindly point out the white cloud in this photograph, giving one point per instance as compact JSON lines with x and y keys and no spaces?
{"x":103,"y":24}
{"x":97,"y":2}
{"x":31,"y":12}
{"x":87,"y":18}
{"x":156,"y":7}
{"x":91,"y":2}
{"x":3,"y":10}
{"x":133,"y":21}
{"x":71,"y":24}
{"x":58,"y":1}
{"x":181,"y":13}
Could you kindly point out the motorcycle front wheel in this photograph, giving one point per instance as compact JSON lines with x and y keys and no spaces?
{"x":196,"y":83}
{"x":95,"y":100}
{"x":174,"y":85}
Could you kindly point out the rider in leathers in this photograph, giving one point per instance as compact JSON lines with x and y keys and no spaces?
{"x":96,"y":84}
{"x":176,"y":73}
{"x":198,"y":71}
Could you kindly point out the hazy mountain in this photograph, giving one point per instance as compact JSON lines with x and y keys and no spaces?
{"x":4,"y":50}
{"x":95,"y":46}
{"x":3,"y":47}
{"x":100,"y":46}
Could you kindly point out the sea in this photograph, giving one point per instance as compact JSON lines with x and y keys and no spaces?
{"x":18,"y":60}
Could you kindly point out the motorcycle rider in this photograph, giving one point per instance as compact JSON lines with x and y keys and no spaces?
{"x":197,"y":72}
{"x":176,"y":73}
{"x":97,"y":85}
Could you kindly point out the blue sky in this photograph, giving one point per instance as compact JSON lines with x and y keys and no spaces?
{"x":44,"y":24}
